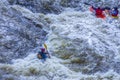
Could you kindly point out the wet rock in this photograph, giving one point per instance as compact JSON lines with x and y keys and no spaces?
{"x":20,"y":31}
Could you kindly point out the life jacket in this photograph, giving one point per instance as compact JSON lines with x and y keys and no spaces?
{"x":99,"y":12}
{"x":42,"y":55}
{"x":114,"y":13}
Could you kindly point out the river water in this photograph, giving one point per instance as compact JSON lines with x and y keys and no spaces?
{"x":82,"y":47}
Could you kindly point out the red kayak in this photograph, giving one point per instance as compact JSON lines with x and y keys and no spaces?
{"x":98,"y":12}
{"x":101,"y":16}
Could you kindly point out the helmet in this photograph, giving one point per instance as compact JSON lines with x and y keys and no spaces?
{"x":115,"y":8}
{"x":98,"y":7}
{"x":43,"y":49}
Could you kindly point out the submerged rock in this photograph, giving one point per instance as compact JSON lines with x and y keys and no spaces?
{"x":20,"y":31}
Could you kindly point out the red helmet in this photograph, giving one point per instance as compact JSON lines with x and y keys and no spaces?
{"x":43,"y":49}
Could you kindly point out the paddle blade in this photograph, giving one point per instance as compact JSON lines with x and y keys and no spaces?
{"x":91,"y":9}
{"x":45,"y":46}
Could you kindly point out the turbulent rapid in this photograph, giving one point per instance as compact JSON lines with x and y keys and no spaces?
{"x":82,"y":47}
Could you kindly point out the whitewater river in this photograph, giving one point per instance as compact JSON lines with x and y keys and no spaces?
{"x":82,"y":47}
